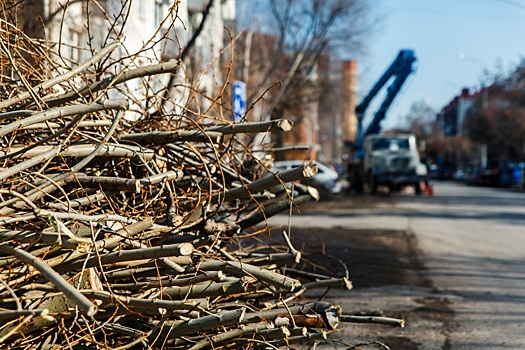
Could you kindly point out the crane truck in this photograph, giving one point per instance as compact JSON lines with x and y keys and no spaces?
{"x":390,"y":160}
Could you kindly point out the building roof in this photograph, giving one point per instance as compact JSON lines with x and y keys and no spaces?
{"x":465,"y":95}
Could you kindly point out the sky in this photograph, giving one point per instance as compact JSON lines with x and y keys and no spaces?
{"x":453,"y":40}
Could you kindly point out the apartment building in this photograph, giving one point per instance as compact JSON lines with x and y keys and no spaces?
{"x":152,"y":31}
{"x":452,"y":117}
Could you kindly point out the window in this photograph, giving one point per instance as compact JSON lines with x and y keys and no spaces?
{"x":74,"y":42}
{"x":158,"y":12}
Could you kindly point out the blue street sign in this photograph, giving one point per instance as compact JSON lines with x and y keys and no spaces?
{"x":239,"y":101}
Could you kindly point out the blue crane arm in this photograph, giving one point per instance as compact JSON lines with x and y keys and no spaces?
{"x":401,"y":68}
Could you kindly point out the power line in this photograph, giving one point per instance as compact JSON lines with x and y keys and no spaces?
{"x":513,"y":3}
{"x":441,"y":12}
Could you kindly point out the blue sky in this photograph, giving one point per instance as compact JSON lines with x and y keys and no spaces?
{"x":454,"y":41}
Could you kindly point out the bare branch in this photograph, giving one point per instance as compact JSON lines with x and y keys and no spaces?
{"x":85,"y":306}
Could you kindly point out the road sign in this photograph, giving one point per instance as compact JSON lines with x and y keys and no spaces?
{"x":239,"y":101}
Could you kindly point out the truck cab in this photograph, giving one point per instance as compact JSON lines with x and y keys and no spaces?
{"x":392,"y":160}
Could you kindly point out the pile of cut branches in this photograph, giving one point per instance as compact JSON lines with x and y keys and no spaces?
{"x":126,"y":234}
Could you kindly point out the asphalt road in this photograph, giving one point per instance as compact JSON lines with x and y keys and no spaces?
{"x":471,"y":241}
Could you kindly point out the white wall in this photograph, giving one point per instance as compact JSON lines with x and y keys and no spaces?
{"x":141,"y":32}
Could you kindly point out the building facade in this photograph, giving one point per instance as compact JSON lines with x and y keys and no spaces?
{"x":452,"y":117}
{"x":152,"y":31}
{"x":337,"y":102}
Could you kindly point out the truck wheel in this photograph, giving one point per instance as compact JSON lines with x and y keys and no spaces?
{"x":417,"y":187}
{"x":372,"y":184}
{"x":357,"y":186}
{"x":356,"y":181}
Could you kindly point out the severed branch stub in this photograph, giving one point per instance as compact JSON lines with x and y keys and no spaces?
{"x":268,"y":276}
{"x":300,"y":173}
{"x":157,"y":138}
{"x":254,"y":127}
{"x":112,"y":183}
{"x":387,"y":321}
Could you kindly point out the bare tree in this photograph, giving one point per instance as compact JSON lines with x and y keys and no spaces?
{"x":296,"y":33}
{"x":283,"y":43}
{"x":421,"y":119}
{"x":501,"y":129}
{"x":497,"y":118}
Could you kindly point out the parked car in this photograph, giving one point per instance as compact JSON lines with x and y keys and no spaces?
{"x":459,"y":174}
{"x":473,"y":177}
{"x":440,"y":172}
{"x":502,"y":173}
{"x":325,"y":181}
{"x":465,"y":173}
{"x":433,"y":171}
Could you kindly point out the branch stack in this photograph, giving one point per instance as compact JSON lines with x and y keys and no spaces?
{"x":121,"y":233}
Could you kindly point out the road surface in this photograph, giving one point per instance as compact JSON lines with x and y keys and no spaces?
{"x":471,"y":243}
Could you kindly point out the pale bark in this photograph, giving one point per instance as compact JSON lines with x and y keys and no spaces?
{"x":254,"y":127}
{"x":141,"y":303}
{"x":209,"y":289}
{"x":83,"y":303}
{"x":300,"y":173}
{"x":134,"y":254}
{"x":161,"y":68}
{"x":160,"y":138}
{"x":275,"y":279}
{"x":63,"y":77}
{"x":63,"y":112}
{"x":81,"y":151}
{"x":394,"y":322}
{"x":222,"y":319}
{"x":209,"y":276}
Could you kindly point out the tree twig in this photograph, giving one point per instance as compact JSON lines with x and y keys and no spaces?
{"x":84,"y":304}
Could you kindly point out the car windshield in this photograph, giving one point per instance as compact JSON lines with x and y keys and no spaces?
{"x":388,"y":143}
